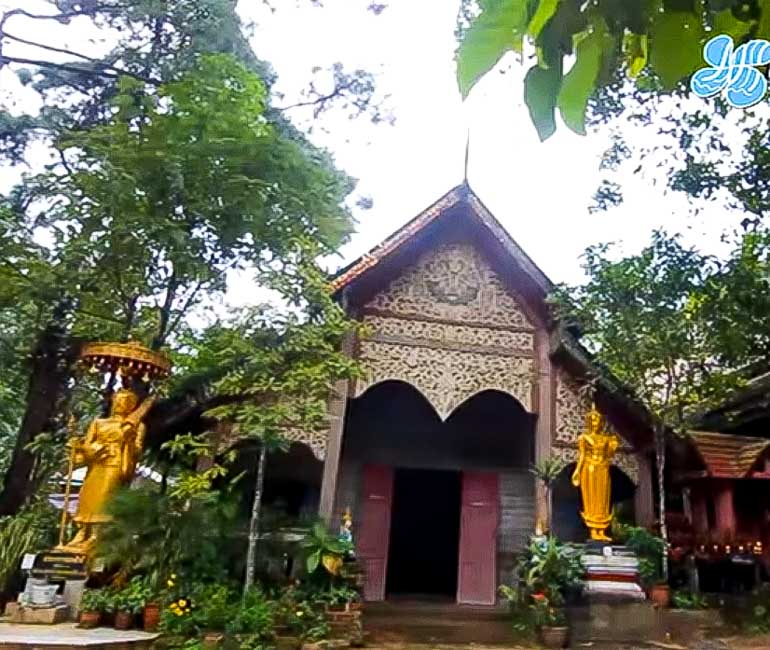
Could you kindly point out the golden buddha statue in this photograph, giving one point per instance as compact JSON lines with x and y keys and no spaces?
{"x":596,"y":448}
{"x":110,"y":450}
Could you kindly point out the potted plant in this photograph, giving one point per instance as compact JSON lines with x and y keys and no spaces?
{"x":340,"y":598}
{"x":124,"y":617}
{"x":550,"y":571}
{"x":92,"y":605}
{"x":151,"y":613}
{"x":550,"y":619}
{"x":128,"y":602}
{"x":323,"y":548}
{"x":649,"y":550}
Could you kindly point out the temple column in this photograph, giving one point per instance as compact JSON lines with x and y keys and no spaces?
{"x":337,"y":406}
{"x":644,"y":506}
{"x":724,"y":510}
{"x":700,"y":520}
{"x":543,"y":431}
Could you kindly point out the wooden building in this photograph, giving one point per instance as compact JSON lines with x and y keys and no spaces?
{"x":466,"y":383}
{"x":719,"y":484}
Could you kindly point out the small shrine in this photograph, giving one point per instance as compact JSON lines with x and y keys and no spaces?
{"x":724,"y":521}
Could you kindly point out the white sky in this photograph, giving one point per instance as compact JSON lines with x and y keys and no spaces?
{"x":539,"y":191}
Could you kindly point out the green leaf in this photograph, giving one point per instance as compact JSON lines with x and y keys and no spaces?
{"x":313,"y":561}
{"x":763,"y":29}
{"x":541,"y":88}
{"x":580,"y":82}
{"x":498,"y":29}
{"x":545,"y":11}
{"x":677,"y":46}
{"x":635,"y":50}
{"x":726,"y":23}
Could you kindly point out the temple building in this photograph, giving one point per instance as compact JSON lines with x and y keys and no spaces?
{"x":466,"y":383}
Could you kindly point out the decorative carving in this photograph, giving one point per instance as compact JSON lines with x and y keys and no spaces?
{"x":629,"y":463}
{"x":449,"y":335}
{"x":625,"y":460}
{"x":452,"y":283}
{"x":446,"y":377}
{"x":572,"y":404}
{"x":314,"y":440}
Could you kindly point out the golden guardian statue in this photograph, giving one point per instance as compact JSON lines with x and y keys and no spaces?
{"x":596,"y":446}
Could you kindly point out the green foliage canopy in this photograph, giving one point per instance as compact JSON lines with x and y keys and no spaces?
{"x":658,"y":44}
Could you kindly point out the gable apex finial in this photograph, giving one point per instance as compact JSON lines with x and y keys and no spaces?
{"x":467,"y":153}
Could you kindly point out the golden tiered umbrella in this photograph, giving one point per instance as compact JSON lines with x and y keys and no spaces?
{"x":127,"y":359}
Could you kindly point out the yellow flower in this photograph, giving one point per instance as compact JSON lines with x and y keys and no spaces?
{"x":300,"y":613}
{"x":169,"y":583}
{"x":182,"y":602}
{"x":178,"y":612}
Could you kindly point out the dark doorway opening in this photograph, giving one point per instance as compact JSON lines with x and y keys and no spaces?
{"x":424,"y":533}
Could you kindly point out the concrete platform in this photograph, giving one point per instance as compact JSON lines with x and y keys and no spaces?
{"x":68,"y":636}
{"x":435,"y":623}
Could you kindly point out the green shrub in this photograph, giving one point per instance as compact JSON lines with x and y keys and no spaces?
{"x":684,"y":599}
{"x":132,"y":598}
{"x":648,"y":547}
{"x":215,"y":606}
{"x":255,"y":616}
{"x":32,"y":530}
{"x":95,"y":600}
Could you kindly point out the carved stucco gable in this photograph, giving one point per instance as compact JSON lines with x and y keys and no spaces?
{"x":448,"y":327}
{"x":446,"y":377}
{"x":453,"y":283}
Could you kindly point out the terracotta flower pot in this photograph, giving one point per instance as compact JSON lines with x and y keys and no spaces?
{"x":89,"y":619}
{"x":151,"y":617}
{"x":212,"y":639}
{"x":660,"y":595}
{"x":554,"y":637}
{"x":124,"y":620}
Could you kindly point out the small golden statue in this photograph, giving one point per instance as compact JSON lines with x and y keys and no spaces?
{"x":596,"y":448}
{"x":110,"y":450}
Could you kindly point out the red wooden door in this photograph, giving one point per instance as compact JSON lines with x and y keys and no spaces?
{"x":479,"y":516}
{"x":374,"y":529}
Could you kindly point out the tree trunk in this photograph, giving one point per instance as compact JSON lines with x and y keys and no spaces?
{"x":254,"y":522}
{"x":52,"y":361}
{"x":660,"y":461}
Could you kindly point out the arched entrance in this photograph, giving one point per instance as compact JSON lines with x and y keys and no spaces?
{"x":441,"y":506}
{"x":567,"y":523}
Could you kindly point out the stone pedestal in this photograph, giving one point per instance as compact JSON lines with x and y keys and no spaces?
{"x":22,"y":614}
{"x":73,"y":593}
{"x":612,"y":573}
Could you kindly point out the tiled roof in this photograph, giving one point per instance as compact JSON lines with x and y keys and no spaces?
{"x":728,"y":456}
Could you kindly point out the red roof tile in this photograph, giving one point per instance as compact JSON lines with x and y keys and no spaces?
{"x":728,"y":456}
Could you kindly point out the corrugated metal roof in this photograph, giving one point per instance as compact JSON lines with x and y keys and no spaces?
{"x":728,"y":456}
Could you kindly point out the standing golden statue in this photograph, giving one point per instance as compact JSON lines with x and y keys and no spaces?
{"x":596,"y":446}
{"x":110,"y":451}
{"x":112,"y":445}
